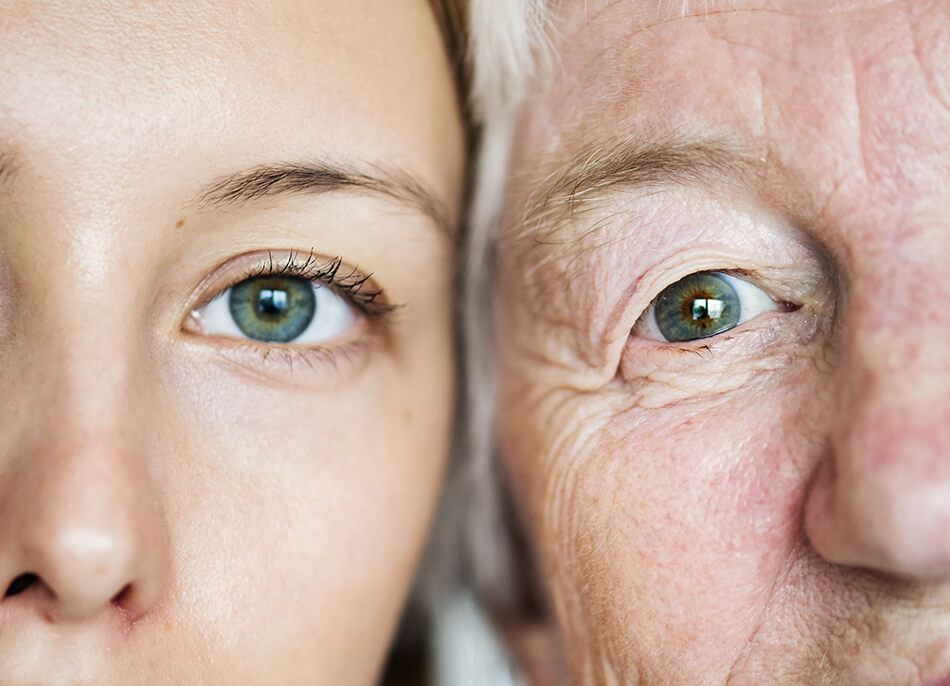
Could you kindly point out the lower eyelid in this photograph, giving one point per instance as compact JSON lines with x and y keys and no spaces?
{"x":773,"y":335}
{"x":312,"y":367}
{"x":305,"y":366}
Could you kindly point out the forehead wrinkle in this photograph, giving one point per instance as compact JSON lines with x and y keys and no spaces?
{"x":573,"y":18}
{"x":577,"y":15}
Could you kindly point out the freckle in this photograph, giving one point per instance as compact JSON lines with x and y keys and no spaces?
{"x":47,"y":617}
{"x":168,"y":626}
{"x":100,"y":569}
{"x":180,"y":223}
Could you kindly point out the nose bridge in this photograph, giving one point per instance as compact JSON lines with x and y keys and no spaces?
{"x":79,"y":516}
{"x":894,"y":425}
{"x":895,"y":371}
{"x":896,"y":364}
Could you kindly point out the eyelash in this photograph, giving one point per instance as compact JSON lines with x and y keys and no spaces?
{"x":351,"y":286}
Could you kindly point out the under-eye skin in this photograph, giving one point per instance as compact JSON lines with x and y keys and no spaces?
{"x":298,"y":304}
{"x":702,"y":305}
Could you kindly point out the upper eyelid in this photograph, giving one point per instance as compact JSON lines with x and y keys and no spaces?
{"x":333,"y":273}
{"x":751,"y":275}
{"x":672,"y":221}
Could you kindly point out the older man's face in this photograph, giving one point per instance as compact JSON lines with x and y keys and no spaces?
{"x":724,"y":318}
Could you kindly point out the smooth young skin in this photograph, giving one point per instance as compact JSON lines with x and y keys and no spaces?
{"x":196,"y":508}
{"x":770,"y":505}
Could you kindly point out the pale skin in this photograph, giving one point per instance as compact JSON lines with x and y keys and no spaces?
{"x":770,"y":504}
{"x":179,"y":505}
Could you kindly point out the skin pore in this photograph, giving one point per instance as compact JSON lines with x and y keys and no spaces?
{"x":179,"y":503}
{"x":770,"y":504}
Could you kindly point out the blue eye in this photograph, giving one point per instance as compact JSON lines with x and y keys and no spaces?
{"x":702,"y":305}
{"x":278,"y":309}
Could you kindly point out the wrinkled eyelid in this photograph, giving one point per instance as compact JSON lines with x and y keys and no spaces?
{"x":754,"y":301}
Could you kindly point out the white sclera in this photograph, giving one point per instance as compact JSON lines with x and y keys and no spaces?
{"x":753,"y":301}
{"x":332,"y":317}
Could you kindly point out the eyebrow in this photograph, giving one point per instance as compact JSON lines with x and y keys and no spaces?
{"x":642,"y":162}
{"x":317,"y":177}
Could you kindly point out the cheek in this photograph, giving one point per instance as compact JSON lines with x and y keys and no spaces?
{"x":659,"y":522}
{"x":298,"y":515}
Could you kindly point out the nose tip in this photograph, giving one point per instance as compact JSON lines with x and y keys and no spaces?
{"x":883,"y":525}
{"x":82,"y":571}
{"x":80,"y":532}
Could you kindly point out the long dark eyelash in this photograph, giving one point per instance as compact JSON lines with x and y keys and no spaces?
{"x":351,"y":284}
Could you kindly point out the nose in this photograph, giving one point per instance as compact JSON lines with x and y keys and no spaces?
{"x":80,"y":534}
{"x":881,"y":498}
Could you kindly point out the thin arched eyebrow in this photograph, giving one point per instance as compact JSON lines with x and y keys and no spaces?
{"x":269,"y":180}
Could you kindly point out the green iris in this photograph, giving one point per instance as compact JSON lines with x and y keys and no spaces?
{"x":698,"y":306}
{"x":276,"y":309}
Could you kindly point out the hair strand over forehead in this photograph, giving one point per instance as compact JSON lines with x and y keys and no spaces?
{"x":506,"y":38}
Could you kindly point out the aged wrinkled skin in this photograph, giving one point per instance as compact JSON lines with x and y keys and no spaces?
{"x":198,"y":509}
{"x":771,"y":505}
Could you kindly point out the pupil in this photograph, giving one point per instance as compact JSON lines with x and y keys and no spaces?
{"x":271,"y":302}
{"x":707,"y":308}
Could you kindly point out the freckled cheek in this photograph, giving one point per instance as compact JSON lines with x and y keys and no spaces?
{"x":677,"y":515}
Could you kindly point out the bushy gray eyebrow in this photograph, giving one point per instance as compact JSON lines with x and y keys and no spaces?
{"x":641,"y":162}
{"x":268,"y":180}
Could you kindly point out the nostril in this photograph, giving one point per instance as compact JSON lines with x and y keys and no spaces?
{"x":122,"y":595}
{"x":20,"y":584}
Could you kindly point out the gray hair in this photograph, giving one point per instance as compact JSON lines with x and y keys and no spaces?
{"x":472,"y":545}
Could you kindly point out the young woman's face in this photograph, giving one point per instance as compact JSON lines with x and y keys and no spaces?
{"x":225,"y":349}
